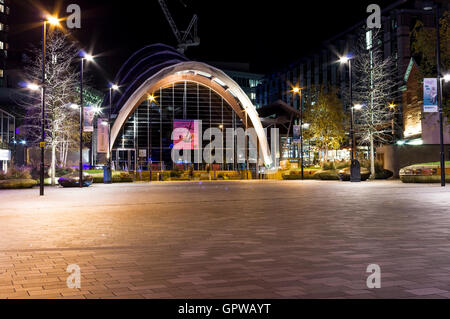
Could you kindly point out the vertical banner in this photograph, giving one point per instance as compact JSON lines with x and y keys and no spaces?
{"x":297,"y":137}
{"x":190,"y":139}
{"x":102,"y":136}
{"x":430,"y":97}
{"x":89,"y":114}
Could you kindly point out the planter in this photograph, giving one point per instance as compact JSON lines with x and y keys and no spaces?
{"x":73,"y":180}
{"x":423,"y":173}
{"x":17,"y":183}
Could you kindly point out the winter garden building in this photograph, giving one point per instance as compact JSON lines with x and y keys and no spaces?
{"x":160,"y":90}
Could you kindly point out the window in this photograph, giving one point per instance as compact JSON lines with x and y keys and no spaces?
{"x":2,"y":45}
{"x":2,"y":8}
{"x":1,"y":73}
{"x":2,"y":27}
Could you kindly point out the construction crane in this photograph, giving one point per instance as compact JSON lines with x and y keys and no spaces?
{"x":186,"y":38}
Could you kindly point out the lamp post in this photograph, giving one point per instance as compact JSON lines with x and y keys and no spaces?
{"x":354,"y":176}
{"x":150,"y":100}
{"x":55,"y":22}
{"x":430,"y":7}
{"x":298,"y":91}
{"x":107,"y":175}
{"x":87,"y":57}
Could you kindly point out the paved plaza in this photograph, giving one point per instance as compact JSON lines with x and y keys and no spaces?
{"x":243,"y":239}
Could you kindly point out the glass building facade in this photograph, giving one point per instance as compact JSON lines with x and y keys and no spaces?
{"x":146,"y":137}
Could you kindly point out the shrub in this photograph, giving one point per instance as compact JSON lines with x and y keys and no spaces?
{"x":61,"y":171}
{"x":328,"y":175}
{"x":343,"y":164}
{"x":176,"y":174}
{"x":384,"y":174}
{"x":328,"y":166}
{"x":16,"y":173}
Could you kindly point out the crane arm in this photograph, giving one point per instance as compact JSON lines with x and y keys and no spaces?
{"x":188,"y":30}
{"x":169,"y":18}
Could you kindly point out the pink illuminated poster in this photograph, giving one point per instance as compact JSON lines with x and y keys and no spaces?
{"x":185,"y":134}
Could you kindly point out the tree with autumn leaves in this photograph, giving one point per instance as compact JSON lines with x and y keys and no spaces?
{"x":326,"y":119}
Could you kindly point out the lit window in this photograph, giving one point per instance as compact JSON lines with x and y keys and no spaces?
{"x":2,"y":8}
{"x":1,"y":73}
{"x":2,"y":45}
{"x":2,"y":26}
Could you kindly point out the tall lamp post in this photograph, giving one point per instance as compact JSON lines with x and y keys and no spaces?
{"x":430,"y":7}
{"x":54,"y":21}
{"x":87,"y":57}
{"x":355,"y":174}
{"x":298,"y":91}
{"x":108,"y":175}
{"x":150,"y":100}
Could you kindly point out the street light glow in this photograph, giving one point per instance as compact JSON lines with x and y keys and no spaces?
{"x":115,"y":87}
{"x":151,"y":98}
{"x":88,"y":57}
{"x":33,"y":87}
{"x":296,"y":90}
{"x":97,"y":110}
{"x":53,"y":20}
{"x":447,"y":77}
{"x":74,"y":106}
{"x":392,"y":106}
{"x":358,"y":107}
{"x":344,"y":59}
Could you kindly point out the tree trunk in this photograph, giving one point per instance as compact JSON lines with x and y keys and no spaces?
{"x":53,"y":167}
{"x":372,"y":158}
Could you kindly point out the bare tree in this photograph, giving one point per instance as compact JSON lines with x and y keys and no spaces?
{"x":61,"y":81}
{"x":376,"y":87}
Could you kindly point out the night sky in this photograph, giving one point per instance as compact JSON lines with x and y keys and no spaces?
{"x":266,"y":34}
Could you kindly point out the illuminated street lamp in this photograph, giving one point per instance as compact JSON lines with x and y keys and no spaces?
{"x":344,"y":60}
{"x":88,"y":57}
{"x":53,"y":21}
{"x":429,"y":7}
{"x":107,"y":176}
{"x":33,"y":87}
{"x":298,"y":90}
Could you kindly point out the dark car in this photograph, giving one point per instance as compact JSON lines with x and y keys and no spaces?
{"x":73,"y":180}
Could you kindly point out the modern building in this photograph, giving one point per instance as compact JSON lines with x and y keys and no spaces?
{"x":240,"y":73}
{"x":160,"y":89}
{"x":4,"y":29}
{"x":421,"y":131}
{"x":7,"y":139}
{"x":321,"y":66}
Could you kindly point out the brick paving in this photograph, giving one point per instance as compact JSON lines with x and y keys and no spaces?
{"x":243,"y":239}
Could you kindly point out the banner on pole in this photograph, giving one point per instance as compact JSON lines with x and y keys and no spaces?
{"x":430,"y":95}
{"x":102,"y":136}
{"x":297,"y":131}
{"x":89,"y":114}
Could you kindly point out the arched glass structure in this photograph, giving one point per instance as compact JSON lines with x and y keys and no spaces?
{"x":181,"y":90}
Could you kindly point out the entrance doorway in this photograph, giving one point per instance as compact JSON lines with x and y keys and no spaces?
{"x":124,"y":159}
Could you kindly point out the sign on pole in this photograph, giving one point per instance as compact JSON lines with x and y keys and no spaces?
{"x":89,"y":114}
{"x":297,"y":137}
{"x":102,"y":136}
{"x":430,"y":95}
